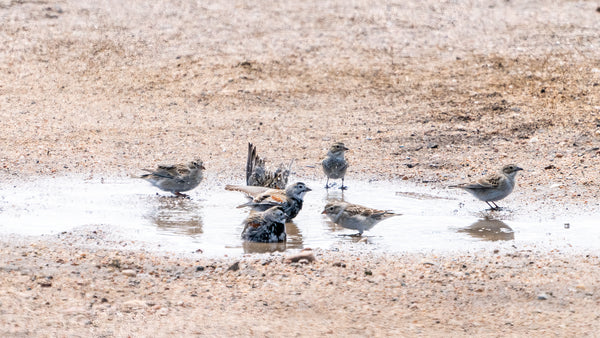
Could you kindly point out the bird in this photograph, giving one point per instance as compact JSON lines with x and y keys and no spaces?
{"x":258,"y":175}
{"x":354,"y":216}
{"x":493,"y":187}
{"x":334,"y":164}
{"x":262,"y":198}
{"x":176,"y":178}
{"x":267,"y":226}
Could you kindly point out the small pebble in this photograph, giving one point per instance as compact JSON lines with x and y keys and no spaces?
{"x":542,"y":296}
{"x":129,"y":273}
{"x":234,"y":267}
{"x":304,"y":254}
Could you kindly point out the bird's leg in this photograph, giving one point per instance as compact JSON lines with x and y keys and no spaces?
{"x":327,"y":183}
{"x":178,"y":194}
{"x":343,"y":187}
{"x":492,"y":207}
{"x":496,"y":205}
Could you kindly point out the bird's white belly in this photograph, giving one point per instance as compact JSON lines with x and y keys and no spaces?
{"x":357,"y":222}
{"x":492,"y":194}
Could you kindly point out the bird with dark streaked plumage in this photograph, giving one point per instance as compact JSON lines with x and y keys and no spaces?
{"x":258,"y":175}
{"x":291,"y":199}
{"x":267,"y":226}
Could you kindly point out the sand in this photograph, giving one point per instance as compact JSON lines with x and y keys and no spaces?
{"x":428,"y":92}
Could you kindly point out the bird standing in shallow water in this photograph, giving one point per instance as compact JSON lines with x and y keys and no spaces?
{"x":176,"y":178}
{"x":493,"y":187}
{"x":267,"y":226}
{"x":354,"y":216}
{"x":290,"y":200}
{"x":334,"y":164}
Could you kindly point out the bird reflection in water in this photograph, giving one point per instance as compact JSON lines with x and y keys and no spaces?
{"x":177,"y":216}
{"x":294,"y":241}
{"x":489,"y":229}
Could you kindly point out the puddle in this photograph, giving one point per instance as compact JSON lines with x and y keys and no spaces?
{"x":131,"y":210}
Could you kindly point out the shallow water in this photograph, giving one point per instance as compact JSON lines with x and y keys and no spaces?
{"x":131,"y":210}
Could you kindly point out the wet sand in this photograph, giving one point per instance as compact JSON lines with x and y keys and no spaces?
{"x":427,"y":92}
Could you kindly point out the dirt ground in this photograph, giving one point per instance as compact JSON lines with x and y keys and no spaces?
{"x":425,"y":91}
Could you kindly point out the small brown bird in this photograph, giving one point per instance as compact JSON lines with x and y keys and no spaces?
{"x":290,"y":199}
{"x":493,"y":187}
{"x":267,"y":226}
{"x":335,"y":165}
{"x":176,"y":178}
{"x":354,"y":216}
{"x":258,"y":175}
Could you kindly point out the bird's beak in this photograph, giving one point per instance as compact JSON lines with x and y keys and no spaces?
{"x":518,"y":168}
{"x":308,"y":189}
{"x":323,"y":213}
{"x":202,"y":167}
{"x":346,"y":148}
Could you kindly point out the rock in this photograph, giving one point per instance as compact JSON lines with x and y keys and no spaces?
{"x":304,"y":254}
{"x":234,"y":267}
{"x":542,"y":296}
{"x":199,"y":268}
{"x":133,"y":304}
{"x":339,"y":264}
{"x":129,"y":273}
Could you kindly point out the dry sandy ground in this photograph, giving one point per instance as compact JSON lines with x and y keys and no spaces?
{"x":69,"y":286}
{"x":426,"y":91}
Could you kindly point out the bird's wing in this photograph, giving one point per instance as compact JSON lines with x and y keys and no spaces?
{"x":181,"y":170}
{"x":164,"y":171}
{"x":172,"y":171}
{"x":492,"y":181}
{"x":488,"y":182}
{"x":354,"y":209}
{"x":249,"y":190}
{"x":271,"y":196}
{"x":254,"y":220}
{"x":252,"y":162}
